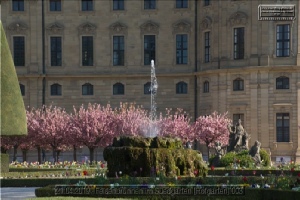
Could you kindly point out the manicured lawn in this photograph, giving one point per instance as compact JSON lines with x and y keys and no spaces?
{"x":71,"y":198}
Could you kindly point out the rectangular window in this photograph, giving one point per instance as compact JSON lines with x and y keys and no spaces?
{"x":18,"y":5}
{"x":149,"y":49}
{"x":236,"y":118}
{"x":283,"y":40}
{"x":118,"y":50}
{"x":118,"y":4}
{"x":206,"y":87}
{"x":239,"y":43}
{"x":87,"y":51}
{"x":283,"y":127}
{"x":207,"y":47}
{"x":22,"y":88}
{"x":19,"y":50}
{"x":87,"y":5}
{"x":238,"y":84}
{"x":55,"y":5}
{"x":56,"y":52}
{"x":181,"y":3}
{"x":206,"y":2}
{"x":149,"y":4}
{"x":181,"y":49}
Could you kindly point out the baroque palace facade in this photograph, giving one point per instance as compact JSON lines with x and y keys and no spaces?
{"x":210,"y":55}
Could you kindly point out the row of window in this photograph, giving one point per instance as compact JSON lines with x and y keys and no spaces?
{"x":282,"y":82}
{"x":87,"y":48}
{"x":282,"y":125}
{"x":88,"y":5}
{"x":118,"y":89}
{"x":181,"y":87}
{"x":282,"y":119}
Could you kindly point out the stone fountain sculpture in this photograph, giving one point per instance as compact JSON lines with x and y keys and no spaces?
{"x":148,"y":156}
{"x":238,"y":138}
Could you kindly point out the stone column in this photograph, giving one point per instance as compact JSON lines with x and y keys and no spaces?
{"x":298,"y":124}
{"x":264,"y":123}
{"x":253,"y":115}
{"x":298,"y":38}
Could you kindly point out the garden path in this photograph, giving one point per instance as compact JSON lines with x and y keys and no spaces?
{"x":17,"y":193}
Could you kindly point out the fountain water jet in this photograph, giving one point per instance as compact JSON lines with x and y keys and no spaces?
{"x":153,"y":90}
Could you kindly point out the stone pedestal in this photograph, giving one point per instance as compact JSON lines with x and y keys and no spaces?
{"x":138,"y":156}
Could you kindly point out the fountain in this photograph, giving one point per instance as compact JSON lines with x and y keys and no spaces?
{"x":145,"y":156}
{"x":153,"y":90}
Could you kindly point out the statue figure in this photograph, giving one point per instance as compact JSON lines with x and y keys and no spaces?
{"x":239,"y":133}
{"x":220,"y":151}
{"x":254,"y":152}
{"x":239,"y":138}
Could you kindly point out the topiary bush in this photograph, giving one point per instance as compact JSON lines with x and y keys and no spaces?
{"x":265,"y":157}
{"x":242,"y":158}
{"x":4,"y":163}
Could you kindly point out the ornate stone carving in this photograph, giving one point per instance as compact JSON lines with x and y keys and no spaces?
{"x":181,"y":26}
{"x":254,"y":152}
{"x":87,"y":28}
{"x":239,"y":138}
{"x":149,"y":27}
{"x":238,"y":18}
{"x":118,"y":28}
{"x":18,"y":28}
{"x":206,"y":23}
{"x":55,"y":28}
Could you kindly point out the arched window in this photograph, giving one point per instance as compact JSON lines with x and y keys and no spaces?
{"x":147,"y":88}
{"x":206,"y":87}
{"x":118,"y":89}
{"x":55,"y":89}
{"x":282,"y":82}
{"x":238,"y":84}
{"x":22,"y":88}
{"x":181,"y":88}
{"x":87,"y":89}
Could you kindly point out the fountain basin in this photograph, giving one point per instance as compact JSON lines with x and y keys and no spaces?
{"x":139,"y":156}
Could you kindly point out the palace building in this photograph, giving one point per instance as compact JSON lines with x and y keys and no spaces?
{"x":210,"y":55}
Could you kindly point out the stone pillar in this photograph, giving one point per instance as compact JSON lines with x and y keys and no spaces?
{"x":298,"y":124}
{"x":298,"y":37}
{"x":253,"y":116}
{"x":264,"y":123}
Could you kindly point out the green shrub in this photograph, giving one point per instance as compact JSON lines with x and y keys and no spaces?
{"x":4,"y":163}
{"x":47,"y":191}
{"x":265,"y":157}
{"x":242,"y":158}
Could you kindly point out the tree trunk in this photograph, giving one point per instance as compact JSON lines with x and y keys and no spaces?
{"x":92,"y":150}
{"x":15,"y":153}
{"x":54,"y":155}
{"x":57,"y":155}
{"x":3,"y":150}
{"x":39,"y":154}
{"x":74,"y":153}
{"x":208,"y":154}
{"x":24,"y":154}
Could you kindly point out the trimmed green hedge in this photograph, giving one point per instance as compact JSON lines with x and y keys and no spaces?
{"x":250,"y":194}
{"x":243,"y":159}
{"x":42,"y":182}
{"x":14,"y":169}
{"x":4,"y":163}
{"x":250,"y":172}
